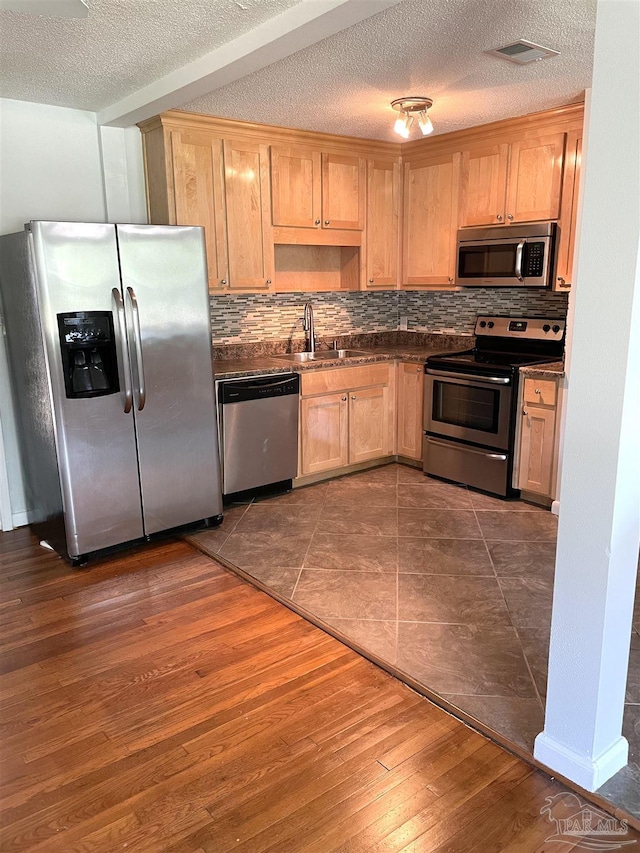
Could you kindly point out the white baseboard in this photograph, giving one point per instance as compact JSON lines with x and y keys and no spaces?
{"x":555,"y":507}
{"x":20,"y":519}
{"x":589,"y":773}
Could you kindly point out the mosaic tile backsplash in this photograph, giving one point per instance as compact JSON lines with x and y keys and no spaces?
{"x":264,"y":317}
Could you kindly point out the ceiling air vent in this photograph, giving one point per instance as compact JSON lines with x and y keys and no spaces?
{"x":522,"y":52}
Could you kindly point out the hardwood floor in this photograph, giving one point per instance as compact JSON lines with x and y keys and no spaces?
{"x":155,"y":702}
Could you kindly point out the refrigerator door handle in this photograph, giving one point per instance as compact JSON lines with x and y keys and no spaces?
{"x":142,"y":391}
{"x":126,"y":365}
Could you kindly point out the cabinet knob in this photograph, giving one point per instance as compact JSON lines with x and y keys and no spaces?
{"x":525,"y":412}
{"x":223,"y":281}
{"x":317,"y":222}
{"x":538,"y":391}
{"x":499,"y":217}
{"x":370,"y":281}
{"x":450,"y":279}
{"x":326,"y":222}
{"x":418,"y":370}
{"x":561,"y":281}
{"x":353,"y":396}
{"x":268,"y":281}
{"x":344,"y":399}
{"x":510,"y":216}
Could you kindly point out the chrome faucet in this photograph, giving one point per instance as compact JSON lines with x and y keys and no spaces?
{"x":307,"y":325}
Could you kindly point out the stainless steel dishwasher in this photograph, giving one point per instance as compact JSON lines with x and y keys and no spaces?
{"x":258,"y":431}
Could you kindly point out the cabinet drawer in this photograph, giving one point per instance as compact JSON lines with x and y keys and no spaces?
{"x":540,"y":391}
{"x":343,"y":379}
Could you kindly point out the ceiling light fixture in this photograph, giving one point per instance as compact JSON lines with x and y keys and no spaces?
{"x":406,"y":107}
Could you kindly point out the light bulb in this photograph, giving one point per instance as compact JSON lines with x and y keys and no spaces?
{"x":425,"y":123}
{"x":400,"y":126}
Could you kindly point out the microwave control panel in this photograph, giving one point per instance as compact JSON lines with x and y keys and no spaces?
{"x":533,"y":266}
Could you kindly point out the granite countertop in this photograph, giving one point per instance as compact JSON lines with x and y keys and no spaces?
{"x":265,"y":365}
{"x":552,"y":370}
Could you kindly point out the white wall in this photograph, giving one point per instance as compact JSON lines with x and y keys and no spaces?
{"x":51,"y":167}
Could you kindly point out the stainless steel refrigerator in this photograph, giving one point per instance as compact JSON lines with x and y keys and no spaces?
{"x":109,"y":346}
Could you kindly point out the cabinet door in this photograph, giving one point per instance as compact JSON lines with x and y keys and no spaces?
{"x":323,"y":433}
{"x":569,"y":212}
{"x":383,"y":220}
{"x":535,"y":178}
{"x":343,"y":191}
{"x":368,"y":424}
{"x":410,"y":406}
{"x":536,"y":449}
{"x":248,"y":217}
{"x":483,"y":185}
{"x":198,"y":185}
{"x":295,"y":186}
{"x":431,"y":192}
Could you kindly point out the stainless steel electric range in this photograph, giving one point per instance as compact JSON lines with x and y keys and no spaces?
{"x":471,"y":396}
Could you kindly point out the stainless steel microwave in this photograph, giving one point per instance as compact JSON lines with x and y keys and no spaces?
{"x":507,"y":255}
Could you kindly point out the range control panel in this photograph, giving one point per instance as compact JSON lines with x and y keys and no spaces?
{"x":528,"y":328}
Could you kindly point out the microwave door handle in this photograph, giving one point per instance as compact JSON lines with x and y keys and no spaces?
{"x":519,"y":251}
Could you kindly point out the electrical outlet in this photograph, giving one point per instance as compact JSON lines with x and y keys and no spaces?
{"x":404,"y":323}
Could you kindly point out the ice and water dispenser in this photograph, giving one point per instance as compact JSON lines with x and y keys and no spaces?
{"x":88,"y":349}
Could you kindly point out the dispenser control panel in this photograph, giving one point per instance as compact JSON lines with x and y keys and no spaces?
{"x":88,"y":351}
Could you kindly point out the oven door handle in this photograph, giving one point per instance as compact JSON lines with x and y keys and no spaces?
{"x":519,"y":251}
{"x":499,"y":457}
{"x":495,"y":380}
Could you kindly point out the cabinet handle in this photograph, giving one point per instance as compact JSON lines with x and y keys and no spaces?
{"x":525,"y":412}
{"x":538,"y":391}
{"x":353,"y":396}
{"x":418,"y":370}
{"x":562,"y":282}
{"x":499,"y":217}
{"x":317,"y":222}
{"x":370,"y":281}
{"x":326,"y":222}
{"x":223,"y":281}
{"x":268,"y":281}
{"x":510,"y":216}
{"x":450,"y":279}
{"x":344,"y":399}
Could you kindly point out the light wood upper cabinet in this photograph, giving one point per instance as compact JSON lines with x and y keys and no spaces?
{"x":483,"y":185}
{"x":251,"y":260}
{"x":410,"y":409}
{"x":317,"y":190}
{"x":296,"y":186}
{"x":569,"y":212}
{"x":198,"y":182}
{"x":504,"y":184}
{"x":431,"y":192}
{"x":383,"y":224}
{"x":343,"y":191}
{"x":535,"y":178}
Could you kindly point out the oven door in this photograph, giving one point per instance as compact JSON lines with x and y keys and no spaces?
{"x":473,"y":408}
{"x":507,"y":262}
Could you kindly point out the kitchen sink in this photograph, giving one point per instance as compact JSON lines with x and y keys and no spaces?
{"x":323,"y":355}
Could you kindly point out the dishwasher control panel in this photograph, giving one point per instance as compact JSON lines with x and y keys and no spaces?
{"x":243,"y":390}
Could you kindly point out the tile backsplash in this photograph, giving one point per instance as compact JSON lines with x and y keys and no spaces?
{"x":248,"y":318}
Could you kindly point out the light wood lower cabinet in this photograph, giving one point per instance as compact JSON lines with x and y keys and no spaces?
{"x":409,"y":408}
{"x":346,"y":417}
{"x":324,"y":435}
{"x":538,"y":437}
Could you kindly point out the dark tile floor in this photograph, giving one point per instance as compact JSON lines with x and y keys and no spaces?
{"x":451,"y":586}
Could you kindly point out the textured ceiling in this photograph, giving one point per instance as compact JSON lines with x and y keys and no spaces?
{"x":121,"y":46}
{"x":345,"y":83}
